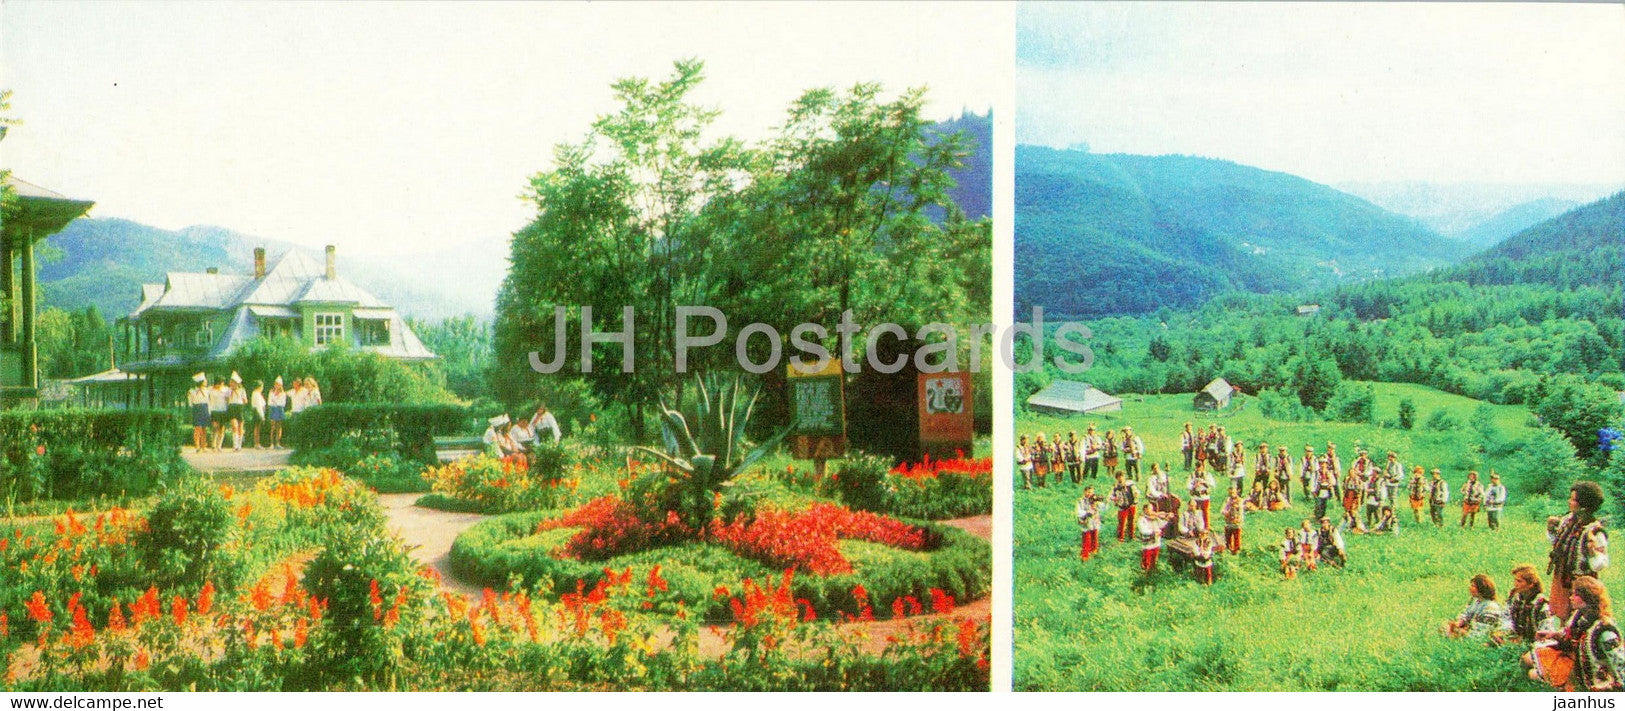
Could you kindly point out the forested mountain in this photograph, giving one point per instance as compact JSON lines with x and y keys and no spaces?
{"x":1490,"y":231}
{"x":1114,"y":234}
{"x":1539,"y":320}
{"x":973,"y":184}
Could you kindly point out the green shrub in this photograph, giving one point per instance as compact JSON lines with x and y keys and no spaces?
{"x":1442,"y":421}
{"x":374,"y":595}
{"x":414,"y":426}
{"x":860,"y":481}
{"x":71,"y":454}
{"x":186,"y":530}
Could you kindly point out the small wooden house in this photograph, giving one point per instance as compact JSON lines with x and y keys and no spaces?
{"x":1215,"y":396}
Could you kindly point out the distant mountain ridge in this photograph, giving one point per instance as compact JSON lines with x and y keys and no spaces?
{"x":1120,"y":234}
{"x":1480,"y":214}
{"x":104,"y":261}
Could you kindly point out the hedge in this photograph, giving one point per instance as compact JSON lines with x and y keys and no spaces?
{"x":416,"y":425}
{"x":74,"y":453}
{"x":502,"y":548}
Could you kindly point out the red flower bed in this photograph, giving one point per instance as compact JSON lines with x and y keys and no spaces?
{"x":610,"y":528}
{"x":807,"y":540}
{"x":804,"y":541}
{"x":931,"y":469}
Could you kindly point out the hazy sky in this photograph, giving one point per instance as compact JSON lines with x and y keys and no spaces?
{"x":1365,"y":92}
{"x":412,"y":126}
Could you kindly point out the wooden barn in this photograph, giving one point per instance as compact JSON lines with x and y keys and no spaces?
{"x":1069,"y":397}
{"x":1215,"y":396}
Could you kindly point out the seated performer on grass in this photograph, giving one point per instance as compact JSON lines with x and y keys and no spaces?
{"x":1088,"y":511}
{"x":1482,"y":614}
{"x":1438,"y":497}
{"x":1586,"y":654}
{"x":1472,"y":499}
{"x":1495,"y":499}
{"x":1329,"y":546}
{"x":1387,"y":521}
{"x":1418,"y":490}
{"x":1579,"y":543}
{"x":1275,"y":498}
{"x":1202,"y":555}
{"x":1191,"y":521}
{"x":1308,"y":545}
{"x":1527,"y":612}
{"x":1235,"y":518}
{"x":1290,"y":556}
{"x":1256,"y":500}
{"x":1126,"y":497}
{"x":1375,"y":497}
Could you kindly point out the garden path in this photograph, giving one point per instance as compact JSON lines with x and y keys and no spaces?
{"x":430,"y":533}
{"x":248,"y":460}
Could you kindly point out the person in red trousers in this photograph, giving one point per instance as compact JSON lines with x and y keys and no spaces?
{"x":1127,"y":498}
{"x":1235,"y":516}
{"x":1089,"y":523}
{"x":1149,"y":529}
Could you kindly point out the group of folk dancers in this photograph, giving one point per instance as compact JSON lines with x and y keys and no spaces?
{"x":1574,"y":642}
{"x":1366,"y":491}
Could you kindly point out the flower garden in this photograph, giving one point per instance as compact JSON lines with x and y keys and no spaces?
{"x":599,"y":568}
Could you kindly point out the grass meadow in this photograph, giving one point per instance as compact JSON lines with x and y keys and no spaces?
{"x":1103,"y":626}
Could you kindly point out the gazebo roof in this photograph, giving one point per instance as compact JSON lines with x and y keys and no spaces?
{"x":40,"y":212}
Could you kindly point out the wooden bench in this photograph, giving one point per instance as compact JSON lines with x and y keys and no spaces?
{"x":451,"y":449}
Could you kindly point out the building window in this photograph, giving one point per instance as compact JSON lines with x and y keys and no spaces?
{"x":329,"y":328}
{"x":372,"y":332}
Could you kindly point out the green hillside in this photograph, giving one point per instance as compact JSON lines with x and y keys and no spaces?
{"x":1101,"y":625}
{"x":1116,"y":234}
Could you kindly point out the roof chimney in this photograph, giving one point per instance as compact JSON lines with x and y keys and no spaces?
{"x":259,"y":262}
{"x":213,"y":270}
{"x":331,"y":272}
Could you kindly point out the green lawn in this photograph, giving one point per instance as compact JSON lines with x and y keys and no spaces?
{"x":1102,"y":626}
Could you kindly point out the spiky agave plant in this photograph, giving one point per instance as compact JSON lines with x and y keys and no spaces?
{"x":710,"y":454}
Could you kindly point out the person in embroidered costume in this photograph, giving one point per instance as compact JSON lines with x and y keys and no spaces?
{"x":1418,"y":490}
{"x":1088,"y":511}
{"x":1200,"y":488}
{"x":1329,"y":546}
{"x":1289,"y":554}
{"x":1495,"y":499}
{"x":1091,"y":453}
{"x":1188,"y":445}
{"x":1482,"y":614}
{"x":1438,"y":497}
{"x":1133,"y":452}
{"x":1203,"y":551}
{"x":1235,"y":518}
{"x":1127,"y":498}
{"x":1527,"y":612}
{"x":1587,"y":653}
{"x":1024,"y":462}
{"x":1149,"y":530}
{"x":1072,"y":456}
{"x":1472,"y":499}
{"x":1579,"y":543}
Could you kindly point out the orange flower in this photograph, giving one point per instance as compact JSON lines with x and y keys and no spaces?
{"x":5,"y":625}
{"x":115,"y":618}
{"x":83,"y":634}
{"x":301,"y":633}
{"x":479,"y":632}
{"x":142,"y":660}
{"x":38,"y":610}
{"x":260,"y":597}
{"x":177,"y":608}
{"x":205,"y":598}
{"x":376,"y":599}
{"x":276,"y":638}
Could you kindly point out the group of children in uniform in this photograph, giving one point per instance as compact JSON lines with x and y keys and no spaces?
{"x":1574,"y":642}
{"x":1366,"y":492}
{"x":508,"y":436}
{"x":229,"y":407}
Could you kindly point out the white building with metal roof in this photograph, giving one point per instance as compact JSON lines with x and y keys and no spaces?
{"x":195,"y":320}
